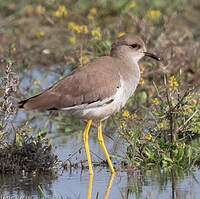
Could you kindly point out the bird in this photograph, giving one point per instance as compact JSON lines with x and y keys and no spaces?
{"x":96,"y":90}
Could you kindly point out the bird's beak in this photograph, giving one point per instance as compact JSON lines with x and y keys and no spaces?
{"x":152,"y":56}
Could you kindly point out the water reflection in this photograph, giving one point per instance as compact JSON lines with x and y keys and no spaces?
{"x":107,"y":188}
{"x":26,"y":185}
{"x":157,"y":183}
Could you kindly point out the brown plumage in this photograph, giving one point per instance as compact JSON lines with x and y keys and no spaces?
{"x":78,"y":87}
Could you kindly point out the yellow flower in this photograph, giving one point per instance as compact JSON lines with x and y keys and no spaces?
{"x":40,"y":9}
{"x":152,"y":14}
{"x":84,"y":29}
{"x":56,"y":14}
{"x":71,"y":25}
{"x":173,"y":82}
{"x":96,"y":34}
{"x":171,"y":99}
{"x":79,"y":29}
{"x":133,"y":116}
{"x":190,"y":97}
{"x":28,"y":8}
{"x":148,"y":136}
{"x":130,"y":133}
{"x":120,"y":34}
{"x":132,"y":4}
{"x":61,"y":11}
{"x":155,"y":101}
{"x":90,"y":17}
{"x":122,"y":124}
{"x":141,"y":82}
{"x":141,"y":68}
{"x":126,"y":114}
{"x":187,"y":109}
{"x":161,"y":125}
{"x":36,"y":82}
{"x":179,"y":144}
{"x":72,"y":40}
{"x":40,"y":33}
{"x":84,"y":59}
{"x":93,"y":11}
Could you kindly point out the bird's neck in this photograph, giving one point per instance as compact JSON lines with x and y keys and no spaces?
{"x":130,"y":65}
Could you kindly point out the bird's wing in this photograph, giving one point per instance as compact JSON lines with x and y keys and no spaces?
{"x":95,"y":82}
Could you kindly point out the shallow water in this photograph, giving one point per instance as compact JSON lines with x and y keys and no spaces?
{"x":77,"y":183}
{"x":125,"y":184}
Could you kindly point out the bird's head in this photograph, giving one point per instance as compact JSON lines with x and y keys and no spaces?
{"x":131,"y":45}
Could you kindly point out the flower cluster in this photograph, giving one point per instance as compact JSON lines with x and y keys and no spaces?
{"x":173,"y":82}
{"x":148,"y":136}
{"x":61,"y":11}
{"x":126,"y":114}
{"x":122,"y":124}
{"x":78,"y":28}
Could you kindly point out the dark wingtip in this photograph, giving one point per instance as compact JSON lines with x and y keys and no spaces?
{"x":21,"y":103}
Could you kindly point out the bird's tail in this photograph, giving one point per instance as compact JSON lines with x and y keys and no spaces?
{"x":42,"y":101}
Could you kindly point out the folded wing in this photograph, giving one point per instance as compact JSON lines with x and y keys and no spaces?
{"x":84,"y":86}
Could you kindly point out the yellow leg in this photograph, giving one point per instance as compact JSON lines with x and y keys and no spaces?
{"x":87,"y":150}
{"x":101,"y":142}
{"x":109,"y":186}
{"x":90,"y":187}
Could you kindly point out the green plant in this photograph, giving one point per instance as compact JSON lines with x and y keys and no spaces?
{"x":163,"y":135}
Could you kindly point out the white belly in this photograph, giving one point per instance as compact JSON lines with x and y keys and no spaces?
{"x":103,"y":111}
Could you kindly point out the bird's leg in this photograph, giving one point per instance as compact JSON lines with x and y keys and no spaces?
{"x":90,"y":187}
{"x":87,"y":150}
{"x":101,"y":142}
{"x":108,"y":186}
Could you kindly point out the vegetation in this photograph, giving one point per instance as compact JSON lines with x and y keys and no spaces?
{"x":161,"y":120}
{"x":163,"y":135}
{"x":24,"y":153}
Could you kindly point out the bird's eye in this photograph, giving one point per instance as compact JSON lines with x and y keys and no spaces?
{"x":135,"y":46}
